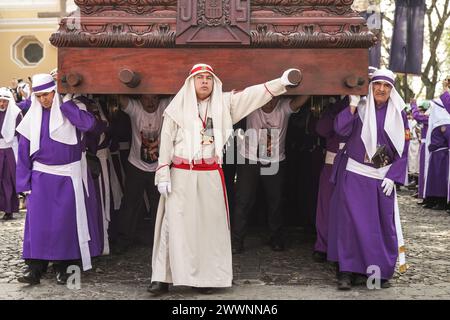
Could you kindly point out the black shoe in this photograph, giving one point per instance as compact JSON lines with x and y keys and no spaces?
{"x":429,"y":205}
{"x":204,"y":290}
{"x":412,"y":186}
{"x":359,"y":279}
{"x":8,"y":216}
{"x":344,"y":280}
{"x":158,"y":288}
{"x":319,"y":257}
{"x":385,"y":284}
{"x":237,"y":247}
{"x":61,"y":278}
{"x":438,"y":206}
{"x":276,"y":244}
{"x":30,"y":277}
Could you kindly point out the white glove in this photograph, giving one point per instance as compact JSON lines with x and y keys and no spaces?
{"x":354,"y":100}
{"x":164,"y":188}
{"x":285,"y":80}
{"x":67,"y":97}
{"x":26,"y":192}
{"x":387,"y":185}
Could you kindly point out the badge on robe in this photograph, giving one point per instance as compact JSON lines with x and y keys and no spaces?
{"x":207,"y":133}
{"x":407,"y":134}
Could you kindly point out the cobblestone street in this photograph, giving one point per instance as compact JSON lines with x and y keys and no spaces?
{"x":259,"y":273}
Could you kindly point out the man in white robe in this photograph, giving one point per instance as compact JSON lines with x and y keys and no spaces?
{"x":192,"y":245}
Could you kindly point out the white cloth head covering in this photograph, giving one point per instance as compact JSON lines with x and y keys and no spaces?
{"x":371,"y":70}
{"x":60,"y":128}
{"x":12,"y":111}
{"x":183,"y":109}
{"x":393,"y":125}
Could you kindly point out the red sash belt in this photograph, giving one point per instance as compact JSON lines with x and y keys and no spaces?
{"x":203,"y":166}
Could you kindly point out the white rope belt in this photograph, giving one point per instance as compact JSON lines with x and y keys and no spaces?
{"x":367,"y":171}
{"x":74,"y":172}
{"x":5,"y":145}
{"x":329,"y":157}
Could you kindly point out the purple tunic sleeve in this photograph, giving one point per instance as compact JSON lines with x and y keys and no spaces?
{"x":24,"y":166}
{"x":324,"y":126}
{"x":398,"y":169}
{"x":82,"y":120}
{"x":24,"y":105}
{"x":343,"y":124}
{"x":445,"y":97}
{"x":419,"y":117}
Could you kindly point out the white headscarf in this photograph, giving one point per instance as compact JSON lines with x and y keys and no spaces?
{"x":393,"y":125}
{"x":12,"y":111}
{"x":183,"y":109}
{"x":60,"y":128}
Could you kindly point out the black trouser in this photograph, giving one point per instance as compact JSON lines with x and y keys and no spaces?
{"x":130,"y":214}
{"x":248,"y":178}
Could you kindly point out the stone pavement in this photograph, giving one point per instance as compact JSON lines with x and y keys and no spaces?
{"x":259,"y":273}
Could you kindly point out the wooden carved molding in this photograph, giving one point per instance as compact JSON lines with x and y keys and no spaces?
{"x":221,"y":22}
{"x":187,"y":23}
{"x":305,"y":37}
{"x":115,"y":35}
{"x":286,"y":7}
{"x":81,"y":3}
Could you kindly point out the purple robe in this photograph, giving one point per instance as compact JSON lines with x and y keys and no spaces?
{"x":50,"y":225}
{"x":437,"y":176}
{"x":94,"y":210}
{"x":361,"y":228}
{"x":324,"y":128}
{"x":423,"y":119}
{"x":9,"y":202}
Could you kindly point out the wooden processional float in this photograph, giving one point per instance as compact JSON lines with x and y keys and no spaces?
{"x":149,"y":46}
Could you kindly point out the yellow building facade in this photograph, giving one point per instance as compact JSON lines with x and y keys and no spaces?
{"x":24,"y":37}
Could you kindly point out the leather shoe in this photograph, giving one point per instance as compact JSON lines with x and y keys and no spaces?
{"x":204,"y":290}
{"x":385,"y":284}
{"x":277,"y":245}
{"x":344,"y":280}
{"x":158,"y":288}
{"x":359,"y":279}
{"x":61,"y":278}
{"x":319,"y":257}
{"x":428,"y":205}
{"x":8,"y":216}
{"x":438,"y":206}
{"x":30,"y":277}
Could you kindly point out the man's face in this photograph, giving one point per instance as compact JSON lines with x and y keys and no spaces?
{"x":46,"y":99}
{"x":203,"y":85}
{"x":381,"y":92}
{"x":149,"y":102}
{"x":3,"y":104}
